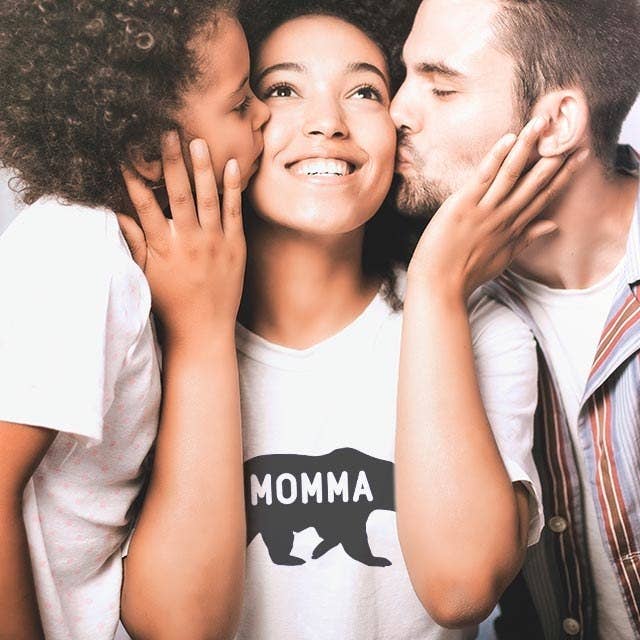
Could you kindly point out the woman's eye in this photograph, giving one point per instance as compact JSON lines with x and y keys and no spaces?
{"x":279,"y":91}
{"x":367,"y":93}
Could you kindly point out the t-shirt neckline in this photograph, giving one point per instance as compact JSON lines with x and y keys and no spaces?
{"x":360,"y":331}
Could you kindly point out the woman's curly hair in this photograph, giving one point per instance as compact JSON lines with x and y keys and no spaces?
{"x":387,"y":23}
{"x":82,"y":82}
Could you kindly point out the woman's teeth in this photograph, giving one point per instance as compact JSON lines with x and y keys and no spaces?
{"x":322,"y":167}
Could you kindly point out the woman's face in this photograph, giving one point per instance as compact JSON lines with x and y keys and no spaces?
{"x":221,"y":108}
{"x":330,"y":143}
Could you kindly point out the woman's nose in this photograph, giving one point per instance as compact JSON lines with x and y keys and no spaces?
{"x":325,"y":118}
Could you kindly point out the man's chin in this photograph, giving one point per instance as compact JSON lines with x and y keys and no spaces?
{"x":417,"y":200}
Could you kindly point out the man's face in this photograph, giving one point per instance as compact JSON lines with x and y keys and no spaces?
{"x":457,"y":100}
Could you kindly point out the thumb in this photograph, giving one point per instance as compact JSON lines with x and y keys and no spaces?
{"x":134,"y":236}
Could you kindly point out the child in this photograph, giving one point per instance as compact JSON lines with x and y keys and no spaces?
{"x":89,"y":88}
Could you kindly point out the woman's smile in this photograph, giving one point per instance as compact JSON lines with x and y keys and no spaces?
{"x":326,"y":84}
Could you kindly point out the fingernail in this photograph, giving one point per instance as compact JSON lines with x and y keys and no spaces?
{"x":233,"y":168}
{"x":199,"y":148}
{"x":170,"y":137}
{"x":509,"y":139}
{"x":539,"y":124}
{"x":583,"y":155}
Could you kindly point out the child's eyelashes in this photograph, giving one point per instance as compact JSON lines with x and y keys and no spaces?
{"x":243,"y":107}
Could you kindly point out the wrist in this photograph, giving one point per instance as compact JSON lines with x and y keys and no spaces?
{"x":446,"y":290}
{"x":205,"y":339}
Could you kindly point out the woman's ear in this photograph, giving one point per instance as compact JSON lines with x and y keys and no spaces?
{"x":567,"y":129}
{"x":151,"y":170}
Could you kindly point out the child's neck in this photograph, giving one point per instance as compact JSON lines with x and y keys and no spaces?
{"x":301,"y":289}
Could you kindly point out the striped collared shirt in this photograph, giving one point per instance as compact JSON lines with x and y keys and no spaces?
{"x":557,"y":572}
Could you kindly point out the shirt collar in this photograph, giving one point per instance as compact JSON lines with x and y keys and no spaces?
{"x":628,"y":161}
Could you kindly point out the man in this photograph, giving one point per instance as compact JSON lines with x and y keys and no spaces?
{"x":477,"y":69}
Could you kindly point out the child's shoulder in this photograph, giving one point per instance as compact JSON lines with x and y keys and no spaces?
{"x":73,"y":254}
{"x":54,"y":235}
{"x":48,"y":222}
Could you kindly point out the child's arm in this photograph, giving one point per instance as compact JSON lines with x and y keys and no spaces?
{"x":462,"y":522}
{"x":184,"y":573}
{"x":22,"y":449}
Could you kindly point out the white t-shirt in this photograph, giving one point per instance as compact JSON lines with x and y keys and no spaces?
{"x":323,"y":559}
{"x":77,"y":355}
{"x":572,"y":321}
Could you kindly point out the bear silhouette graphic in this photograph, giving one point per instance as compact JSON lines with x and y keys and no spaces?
{"x":334,"y":493}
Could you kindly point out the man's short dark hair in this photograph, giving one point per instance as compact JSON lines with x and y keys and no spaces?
{"x":592,"y":44}
{"x":81,"y":83}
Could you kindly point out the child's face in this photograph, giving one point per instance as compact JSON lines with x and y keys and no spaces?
{"x":221,"y":108}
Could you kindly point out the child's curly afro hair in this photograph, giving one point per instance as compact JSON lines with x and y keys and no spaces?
{"x":84,"y":81}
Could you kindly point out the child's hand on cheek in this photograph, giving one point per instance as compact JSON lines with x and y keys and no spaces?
{"x":195,"y":261}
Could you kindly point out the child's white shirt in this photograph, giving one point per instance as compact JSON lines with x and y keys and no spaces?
{"x":77,"y":355}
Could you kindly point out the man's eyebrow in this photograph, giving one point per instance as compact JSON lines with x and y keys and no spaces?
{"x":357,"y":67}
{"x":281,"y":66}
{"x":439,"y":68}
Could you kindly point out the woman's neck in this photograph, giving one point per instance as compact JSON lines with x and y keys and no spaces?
{"x":301,"y":289}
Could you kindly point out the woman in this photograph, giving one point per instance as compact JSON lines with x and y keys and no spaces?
{"x":319,"y":345}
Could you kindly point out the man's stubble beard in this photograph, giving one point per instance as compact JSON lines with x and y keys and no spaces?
{"x":416,"y":195}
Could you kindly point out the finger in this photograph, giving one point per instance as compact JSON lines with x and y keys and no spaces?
{"x":134,"y":236}
{"x":535,"y":180}
{"x":153,"y":222}
{"x":533,"y":232}
{"x":550,"y":192}
{"x":206,"y":190}
{"x":488,"y":168}
{"x":515,"y":163}
{"x":232,"y":199}
{"x":176,"y":177}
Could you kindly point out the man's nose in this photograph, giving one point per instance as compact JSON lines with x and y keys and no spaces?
{"x":403,"y":112}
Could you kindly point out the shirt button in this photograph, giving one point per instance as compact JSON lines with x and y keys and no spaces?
{"x":558,"y":524}
{"x":571,"y":626}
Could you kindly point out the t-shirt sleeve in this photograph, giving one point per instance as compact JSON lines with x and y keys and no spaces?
{"x":506,"y":364}
{"x":71,"y":311}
